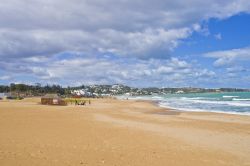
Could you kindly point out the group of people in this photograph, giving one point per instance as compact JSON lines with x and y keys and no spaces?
{"x":84,"y":102}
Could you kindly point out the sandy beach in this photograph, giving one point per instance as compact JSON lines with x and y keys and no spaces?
{"x":119,"y":133}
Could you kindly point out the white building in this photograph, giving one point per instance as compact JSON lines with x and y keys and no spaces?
{"x":179,"y":92}
{"x":4,"y":95}
{"x":81,"y":92}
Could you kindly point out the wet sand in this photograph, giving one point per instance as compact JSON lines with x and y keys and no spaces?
{"x":119,"y":133}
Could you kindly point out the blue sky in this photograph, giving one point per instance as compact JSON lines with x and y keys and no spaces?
{"x":155,"y":43}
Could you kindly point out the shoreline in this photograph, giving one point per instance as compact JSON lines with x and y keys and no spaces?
{"x":205,"y":111}
{"x":177,"y":110}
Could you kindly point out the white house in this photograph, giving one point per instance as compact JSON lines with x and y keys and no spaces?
{"x":4,"y":95}
{"x":179,"y":92}
{"x":81,"y":92}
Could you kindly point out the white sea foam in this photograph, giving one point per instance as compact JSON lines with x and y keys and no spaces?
{"x":231,"y":104}
{"x":230,"y":96}
{"x":241,"y":99}
{"x":191,"y":98}
{"x":157,"y":97}
{"x":197,"y":98}
{"x":165,"y":105}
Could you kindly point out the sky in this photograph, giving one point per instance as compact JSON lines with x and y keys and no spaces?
{"x":160,"y":43}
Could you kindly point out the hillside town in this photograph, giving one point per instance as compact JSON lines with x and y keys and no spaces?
{"x":21,"y":90}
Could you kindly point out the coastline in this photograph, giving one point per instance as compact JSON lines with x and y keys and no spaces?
{"x":119,"y":132}
{"x":161,"y":110}
{"x":205,"y":111}
{"x":166,"y":110}
{"x":179,"y":110}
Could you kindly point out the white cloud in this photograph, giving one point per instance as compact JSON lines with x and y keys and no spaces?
{"x":5,"y":77}
{"x":106,"y":71}
{"x":236,"y":69}
{"x":218,"y":36}
{"x":127,"y":28}
{"x":229,"y":57}
{"x":33,"y":33}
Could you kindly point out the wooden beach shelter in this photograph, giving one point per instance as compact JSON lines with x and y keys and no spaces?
{"x":52,"y":99}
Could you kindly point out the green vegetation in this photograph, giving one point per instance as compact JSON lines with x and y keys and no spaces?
{"x":32,"y":90}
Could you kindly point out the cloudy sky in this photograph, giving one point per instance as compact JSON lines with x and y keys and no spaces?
{"x":140,"y":43}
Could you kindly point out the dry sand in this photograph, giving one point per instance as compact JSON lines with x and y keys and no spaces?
{"x":119,"y":133}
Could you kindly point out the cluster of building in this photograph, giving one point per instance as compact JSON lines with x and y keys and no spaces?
{"x":118,"y":89}
{"x":82,"y":93}
{"x":100,"y":90}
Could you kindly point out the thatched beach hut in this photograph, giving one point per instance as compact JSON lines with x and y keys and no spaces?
{"x":52,"y":99}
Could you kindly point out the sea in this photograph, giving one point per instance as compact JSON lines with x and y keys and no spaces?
{"x":228,"y":102}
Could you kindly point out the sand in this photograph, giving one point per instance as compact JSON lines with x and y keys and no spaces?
{"x":119,"y":133}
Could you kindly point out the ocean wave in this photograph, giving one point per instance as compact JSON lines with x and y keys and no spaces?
{"x":230,"y":96}
{"x":239,"y":104}
{"x":157,"y":97}
{"x":193,"y":98}
{"x":165,"y":105}
{"x":200,"y":100}
{"x":232,"y":104}
{"x":241,"y":99}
